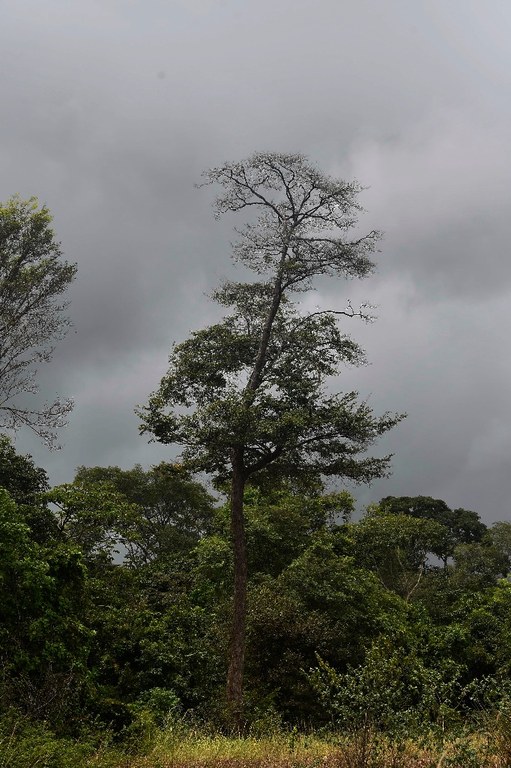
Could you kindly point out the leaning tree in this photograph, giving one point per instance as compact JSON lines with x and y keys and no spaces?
{"x":248,"y":398}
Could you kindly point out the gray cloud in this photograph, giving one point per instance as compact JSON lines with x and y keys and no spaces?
{"x":110,"y":110}
{"x":441,"y":187}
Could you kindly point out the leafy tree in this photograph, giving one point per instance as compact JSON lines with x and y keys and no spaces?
{"x":478,"y":636}
{"x":33,"y":276}
{"x":396,"y":547}
{"x":43,"y":642}
{"x":500,"y":535}
{"x":172,"y":510}
{"x":19,"y":475}
{"x":394,"y":691}
{"x":416,"y":506}
{"x":91,"y":517}
{"x":479,"y":565}
{"x":280,"y":523}
{"x":139,"y":646}
{"x":247,"y":397}
{"x":25,"y":483}
{"x":464,"y":526}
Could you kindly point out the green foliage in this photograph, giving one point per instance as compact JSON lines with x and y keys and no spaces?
{"x":140,"y":646}
{"x":463,"y":525}
{"x":162,"y":703}
{"x":91,"y":516}
{"x":320,"y":603}
{"x":28,"y":744}
{"x":25,"y":483}
{"x":394,"y":691}
{"x":396,"y":547}
{"x":19,"y":475}
{"x":483,"y":626}
{"x":170,"y":511}
{"x":32,"y":278}
{"x":479,"y":565}
{"x":43,"y":640}
{"x":280,"y":523}
{"x":404,"y":645}
{"x":289,"y":429}
{"x":212,"y":570}
{"x":500,"y":536}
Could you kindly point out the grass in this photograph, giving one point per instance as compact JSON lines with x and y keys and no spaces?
{"x":363,"y":750}
{"x":208,"y":751}
{"x":179,"y":747}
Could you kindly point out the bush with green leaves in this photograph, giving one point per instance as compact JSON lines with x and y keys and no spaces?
{"x":393,"y":691}
{"x":28,"y":744}
{"x":321,"y":603}
{"x":43,"y":641}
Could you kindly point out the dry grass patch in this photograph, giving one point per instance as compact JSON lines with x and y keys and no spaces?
{"x":283,"y":752}
{"x":220,"y":751}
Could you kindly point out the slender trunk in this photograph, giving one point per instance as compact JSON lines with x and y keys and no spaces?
{"x":255,"y":377}
{"x":237,"y":640}
{"x":239,"y":619}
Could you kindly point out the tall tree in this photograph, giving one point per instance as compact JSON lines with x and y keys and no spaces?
{"x":33,"y":277}
{"x":247,"y":397}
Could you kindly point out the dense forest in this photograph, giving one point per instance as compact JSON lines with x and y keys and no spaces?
{"x":234,"y":591}
{"x":116,"y":602}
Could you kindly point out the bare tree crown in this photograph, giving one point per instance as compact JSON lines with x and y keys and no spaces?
{"x":303,"y":219}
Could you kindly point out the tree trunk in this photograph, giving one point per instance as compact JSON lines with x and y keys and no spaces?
{"x":260,"y":361}
{"x":237,"y":640}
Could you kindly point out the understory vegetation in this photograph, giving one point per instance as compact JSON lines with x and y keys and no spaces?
{"x":385,"y":641}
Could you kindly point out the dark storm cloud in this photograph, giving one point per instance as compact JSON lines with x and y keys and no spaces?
{"x":111,"y":109}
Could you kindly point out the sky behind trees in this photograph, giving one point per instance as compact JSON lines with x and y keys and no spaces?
{"x":111,"y":110}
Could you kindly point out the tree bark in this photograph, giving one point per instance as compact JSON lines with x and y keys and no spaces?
{"x":237,"y":640}
{"x":255,"y":377}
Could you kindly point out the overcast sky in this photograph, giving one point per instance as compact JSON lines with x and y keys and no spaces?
{"x":110,"y":110}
